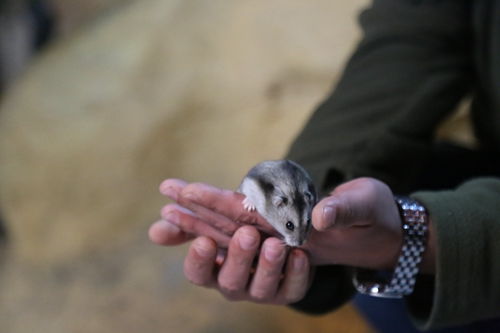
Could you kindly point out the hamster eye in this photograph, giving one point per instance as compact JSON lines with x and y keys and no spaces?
{"x":290,"y":226}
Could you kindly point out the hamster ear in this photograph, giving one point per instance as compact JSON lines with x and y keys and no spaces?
{"x":279,"y":200}
{"x":311,"y":197}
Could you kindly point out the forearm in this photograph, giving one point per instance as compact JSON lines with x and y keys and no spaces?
{"x":467,"y":229}
{"x":407,"y":73}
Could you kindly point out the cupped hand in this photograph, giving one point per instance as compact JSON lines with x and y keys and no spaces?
{"x":256,"y":267}
{"x":203,"y":210}
{"x":279,"y":277}
{"x":358,"y":224}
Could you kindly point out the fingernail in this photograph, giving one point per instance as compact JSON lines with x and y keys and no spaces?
{"x":169,"y":191}
{"x":329,"y":215}
{"x":162,"y":230}
{"x":247,"y":241}
{"x":203,"y":249}
{"x":273,"y":253}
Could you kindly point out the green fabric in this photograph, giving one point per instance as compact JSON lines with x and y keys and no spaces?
{"x":409,"y":72}
{"x":468,"y":270}
{"x":416,"y":61}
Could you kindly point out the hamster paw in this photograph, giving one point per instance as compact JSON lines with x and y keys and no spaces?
{"x":248,"y":205}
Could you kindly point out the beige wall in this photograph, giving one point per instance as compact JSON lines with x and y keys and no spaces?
{"x":151,"y":89}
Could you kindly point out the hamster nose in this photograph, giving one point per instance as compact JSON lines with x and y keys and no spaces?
{"x":294,"y":242}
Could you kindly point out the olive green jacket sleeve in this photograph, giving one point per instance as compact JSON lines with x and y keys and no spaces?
{"x":407,"y":74}
{"x":467,"y":281}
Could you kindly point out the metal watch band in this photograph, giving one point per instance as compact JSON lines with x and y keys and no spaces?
{"x":402,"y":281}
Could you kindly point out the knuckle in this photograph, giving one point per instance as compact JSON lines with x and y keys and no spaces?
{"x":226,"y":228}
{"x":371,"y":186}
{"x":243,"y":261}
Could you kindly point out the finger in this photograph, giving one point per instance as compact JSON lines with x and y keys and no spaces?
{"x":323,"y":215}
{"x":267,"y":277}
{"x":172,"y":187}
{"x":221,"y":256}
{"x":190,"y":223}
{"x":211,"y":202}
{"x":164,"y":233}
{"x":234,"y":273}
{"x":200,"y":261}
{"x":343,"y":209}
{"x":205,"y":216}
{"x":296,"y":281}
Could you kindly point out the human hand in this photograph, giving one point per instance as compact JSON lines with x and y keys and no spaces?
{"x":358,"y":224}
{"x":202,"y":210}
{"x":280,"y":276}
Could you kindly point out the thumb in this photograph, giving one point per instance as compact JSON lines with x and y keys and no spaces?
{"x":340,"y":211}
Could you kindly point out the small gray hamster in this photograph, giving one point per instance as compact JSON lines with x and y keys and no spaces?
{"x":283,"y":193}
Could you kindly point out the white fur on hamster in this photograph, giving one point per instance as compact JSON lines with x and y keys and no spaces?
{"x":283,"y":193}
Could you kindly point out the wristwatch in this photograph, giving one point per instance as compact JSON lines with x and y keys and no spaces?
{"x":401,"y":281}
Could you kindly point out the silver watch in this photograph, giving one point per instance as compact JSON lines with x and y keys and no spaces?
{"x":402,"y":280}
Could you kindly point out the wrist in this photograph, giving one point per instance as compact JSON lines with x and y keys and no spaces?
{"x":414,"y":223}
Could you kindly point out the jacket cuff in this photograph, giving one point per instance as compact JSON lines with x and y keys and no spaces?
{"x":466,"y":278}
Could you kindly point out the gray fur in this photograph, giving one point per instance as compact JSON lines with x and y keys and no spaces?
{"x":282,"y":191}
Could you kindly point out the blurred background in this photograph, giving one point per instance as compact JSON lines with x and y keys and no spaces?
{"x":103,"y":99}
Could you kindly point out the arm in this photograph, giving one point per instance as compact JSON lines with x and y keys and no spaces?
{"x":467,"y":228}
{"x":365,"y":217}
{"x":408,"y":72}
{"x":419,"y":68}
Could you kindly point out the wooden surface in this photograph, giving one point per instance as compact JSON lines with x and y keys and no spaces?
{"x":196,"y":89}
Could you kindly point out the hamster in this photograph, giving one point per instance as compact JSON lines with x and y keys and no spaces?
{"x":283,"y":193}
